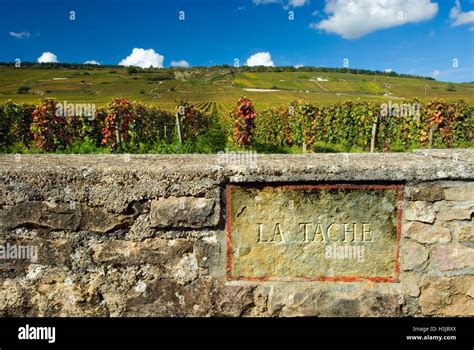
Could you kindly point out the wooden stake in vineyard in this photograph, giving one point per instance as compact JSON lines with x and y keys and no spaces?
{"x":430,"y":137}
{"x":179,"y":113}
{"x":375,"y":126}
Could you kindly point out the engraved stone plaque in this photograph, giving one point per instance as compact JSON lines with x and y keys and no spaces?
{"x":313,"y":232}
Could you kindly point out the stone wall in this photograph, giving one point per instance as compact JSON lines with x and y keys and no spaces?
{"x":146,"y":236}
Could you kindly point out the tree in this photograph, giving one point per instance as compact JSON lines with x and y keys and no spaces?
{"x":450,"y":87}
{"x":23,"y":89}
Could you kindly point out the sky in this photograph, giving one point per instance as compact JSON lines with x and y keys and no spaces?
{"x":423,"y":37}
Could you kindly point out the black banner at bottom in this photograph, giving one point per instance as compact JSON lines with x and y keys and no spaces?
{"x":50,"y":333}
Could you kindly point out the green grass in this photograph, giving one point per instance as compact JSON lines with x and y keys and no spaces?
{"x":199,"y":86}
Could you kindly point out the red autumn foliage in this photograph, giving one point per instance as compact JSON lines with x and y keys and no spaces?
{"x":244,"y":122}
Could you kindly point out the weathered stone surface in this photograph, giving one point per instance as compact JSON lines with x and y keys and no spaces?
{"x":321,"y":305}
{"x":260,"y":301}
{"x":231,"y":300}
{"x":452,"y":214}
{"x":168,"y":298}
{"x":140,"y":229}
{"x":296,"y":301}
{"x":189,"y":212}
{"x":381,"y":305}
{"x":427,"y":192}
{"x":156,"y":251}
{"x":49,"y":292}
{"x":104,"y":181}
{"x":460,"y":193}
{"x":465,"y":234}
{"x":202,"y":297}
{"x":447,"y":211}
{"x":114,"y":284}
{"x":453,"y":256}
{"x":56,"y":216}
{"x":101,"y":255}
{"x":448,"y":296}
{"x":16,"y":255}
{"x":430,"y":234}
{"x":60,"y":216}
{"x":186,"y":270}
{"x":12,"y":299}
{"x":54,"y":252}
{"x":420,"y":211}
{"x":300,"y":232}
{"x":413,"y":255}
{"x":207,"y":251}
{"x":410,"y":285}
{"x":63,"y":298}
{"x":410,"y":305}
{"x":51,"y":252}
{"x":455,"y":156}
{"x":100,"y":221}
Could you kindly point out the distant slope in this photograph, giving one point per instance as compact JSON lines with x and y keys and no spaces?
{"x":222,"y":86}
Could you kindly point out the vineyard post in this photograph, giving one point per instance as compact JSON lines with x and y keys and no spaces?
{"x":178,"y":126}
{"x":374,"y":133}
{"x":118,"y":128}
{"x":430,"y":140}
{"x":304,"y":141}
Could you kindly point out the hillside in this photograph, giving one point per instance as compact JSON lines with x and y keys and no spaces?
{"x":220,"y":85}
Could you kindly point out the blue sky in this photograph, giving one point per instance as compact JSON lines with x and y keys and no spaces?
{"x":424,"y":37}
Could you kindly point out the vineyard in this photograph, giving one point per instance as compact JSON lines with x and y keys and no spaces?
{"x":213,"y":108}
{"x":209,"y":127}
{"x":223,"y":85}
{"x":200,"y":110}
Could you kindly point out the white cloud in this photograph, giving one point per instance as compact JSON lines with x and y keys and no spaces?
{"x":264,"y":2}
{"x":260,"y":59}
{"x":286,"y":4}
{"x":48,"y":57}
{"x":388,"y":70}
{"x":356,"y":18}
{"x":143,"y":58}
{"x":92,"y":62}
{"x":436,"y":73}
{"x":180,"y":64}
{"x":297,"y":3}
{"x":299,"y":65}
{"x":458,"y":17}
{"x":21,"y":35}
